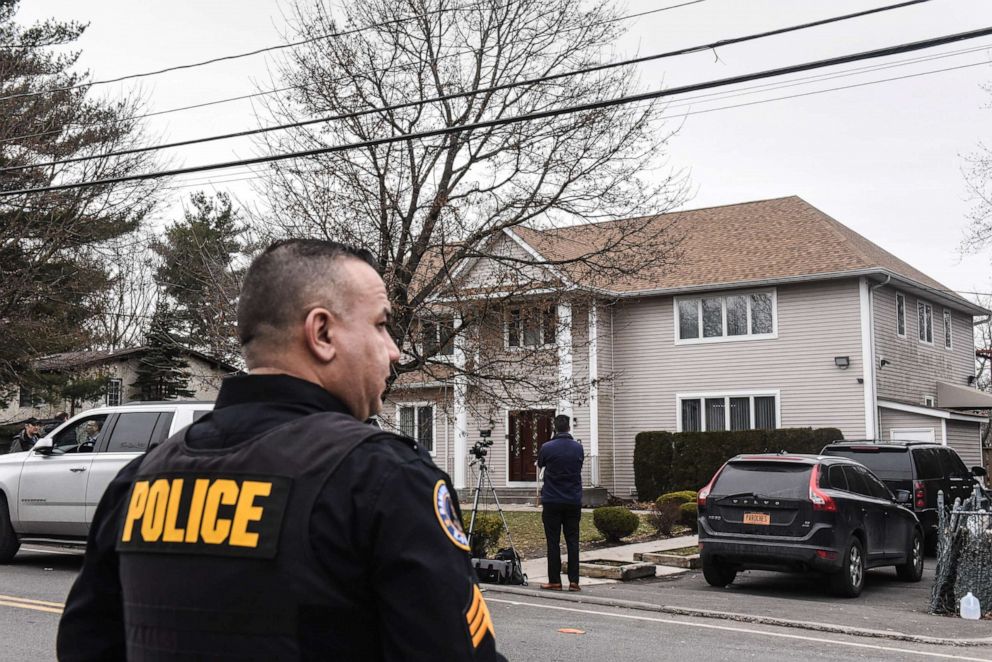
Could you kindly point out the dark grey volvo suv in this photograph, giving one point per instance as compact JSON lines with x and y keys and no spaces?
{"x":805,"y":513}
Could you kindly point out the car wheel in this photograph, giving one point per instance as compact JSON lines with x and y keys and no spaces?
{"x":9,"y":544}
{"x":718,"y":574}
{"x":851,"y":578}
{"x":912,"y":569}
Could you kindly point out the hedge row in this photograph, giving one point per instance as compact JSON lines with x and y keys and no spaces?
{"x":673,"y":461}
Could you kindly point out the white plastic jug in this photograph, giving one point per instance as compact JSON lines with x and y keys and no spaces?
{"x":970,"y":608}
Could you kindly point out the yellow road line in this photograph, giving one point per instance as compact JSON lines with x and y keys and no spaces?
{"x":30,"y":601}
{"x":21,"y":605}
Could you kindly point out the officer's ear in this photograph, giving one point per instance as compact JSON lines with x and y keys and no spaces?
{"x":318,"y":332}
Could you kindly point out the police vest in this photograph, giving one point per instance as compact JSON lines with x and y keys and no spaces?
{"x":214,"y":550}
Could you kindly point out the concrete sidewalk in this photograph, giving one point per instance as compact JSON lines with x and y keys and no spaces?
{"x":888,"y":608}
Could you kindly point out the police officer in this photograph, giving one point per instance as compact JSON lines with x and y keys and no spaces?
{"x":280,"y":526}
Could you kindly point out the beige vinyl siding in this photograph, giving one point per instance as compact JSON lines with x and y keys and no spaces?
{"x":890,"y":419}
{"x":816,"y":322}
{"x":965,"y":438}
{"x":915,"y":368}
{"x":444,"y":425}
{"x":487,"y":273}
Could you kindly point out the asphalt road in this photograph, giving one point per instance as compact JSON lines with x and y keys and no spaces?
{"x":33,"y":588}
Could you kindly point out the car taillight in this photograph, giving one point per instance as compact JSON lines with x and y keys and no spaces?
{"x":919,"y":496}
{"x":821,"y":500}
{"x":705,"y":492}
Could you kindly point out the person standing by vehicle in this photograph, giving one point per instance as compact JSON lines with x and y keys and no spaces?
{"x":291,"y":529}
{"x":27,"y":437}
{"x":561,"y":499}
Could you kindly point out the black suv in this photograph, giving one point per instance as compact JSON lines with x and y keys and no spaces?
{"x":923,"y":468}
{"x":801,"y":513}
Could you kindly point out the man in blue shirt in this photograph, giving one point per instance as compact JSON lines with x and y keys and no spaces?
{"x":561,"y":458}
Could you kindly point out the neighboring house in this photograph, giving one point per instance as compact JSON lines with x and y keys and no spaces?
{"x":775,"y":316}
{"x":119,"y":367}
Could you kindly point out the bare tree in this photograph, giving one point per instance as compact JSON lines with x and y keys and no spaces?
{"x":125,"y":310}
{"x":427,"y":208}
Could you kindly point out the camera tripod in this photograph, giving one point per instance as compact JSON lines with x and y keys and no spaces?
{"x":485,"y":483}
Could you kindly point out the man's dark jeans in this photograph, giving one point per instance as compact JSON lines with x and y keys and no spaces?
{"x":558,"y":516}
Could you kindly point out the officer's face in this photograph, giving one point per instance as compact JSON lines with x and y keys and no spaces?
{"x":365,"y":350}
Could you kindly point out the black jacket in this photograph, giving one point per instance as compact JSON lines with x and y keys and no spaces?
{"x":402,"y":585}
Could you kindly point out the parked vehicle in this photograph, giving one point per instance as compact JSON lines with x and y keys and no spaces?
{"x":923,"y":468}
{"x":805,"y":513}
{"x":49,"y":494}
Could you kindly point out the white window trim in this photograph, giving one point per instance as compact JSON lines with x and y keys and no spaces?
{"x":438,"y":356}
{"x":120,"y":392}
{"x":726,"y":395}
{"x":527,"y":348}
{"x":419,"y":403}
{"x":924,"y":341}
{"x":947,"y":330}
{"x":725,"y":338}
{"x":900,"y":295}
{"x":929,"y":401}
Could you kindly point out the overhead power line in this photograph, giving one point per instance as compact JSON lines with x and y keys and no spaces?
{"x":529,"y":117}
{"x":470,"y":93}
{"x":259,"y":51}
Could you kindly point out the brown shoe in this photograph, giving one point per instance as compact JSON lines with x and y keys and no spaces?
{"x":551,"y":587}
{"x":574,"y":586}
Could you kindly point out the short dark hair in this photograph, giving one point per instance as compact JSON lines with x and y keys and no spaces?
{"x":562,"y":423}
{"x":284,"y":278}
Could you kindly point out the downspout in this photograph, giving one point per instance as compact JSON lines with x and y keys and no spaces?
{"x":874,"y":356}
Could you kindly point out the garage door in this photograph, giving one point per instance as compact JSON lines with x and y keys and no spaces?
{"x":912,"y":434}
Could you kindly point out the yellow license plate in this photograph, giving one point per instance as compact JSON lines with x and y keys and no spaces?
{"x":757,"y":518}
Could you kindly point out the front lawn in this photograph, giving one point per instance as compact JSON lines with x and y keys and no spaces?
{"x":528,"y":533}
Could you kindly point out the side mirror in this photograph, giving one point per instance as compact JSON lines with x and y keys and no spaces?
{"x":45,"y":447}
{"x":903,"y":496}
{"x":979,"y":471}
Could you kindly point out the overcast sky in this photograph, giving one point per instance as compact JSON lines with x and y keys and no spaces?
{"x":884,"y":159}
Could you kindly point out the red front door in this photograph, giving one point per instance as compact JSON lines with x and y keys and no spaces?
{"x":529,"y":429}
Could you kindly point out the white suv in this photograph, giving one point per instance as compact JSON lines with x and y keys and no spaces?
{"x":49,"y":493}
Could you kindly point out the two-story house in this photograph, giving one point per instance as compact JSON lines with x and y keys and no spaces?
{"x":776,"y":315}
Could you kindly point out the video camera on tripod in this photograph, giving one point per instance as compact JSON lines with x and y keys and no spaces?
{"x":480,"y":449}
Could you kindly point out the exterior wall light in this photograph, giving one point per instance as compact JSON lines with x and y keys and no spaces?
{"x":842,"y":362}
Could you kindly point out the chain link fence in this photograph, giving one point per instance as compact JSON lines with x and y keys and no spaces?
{"x":964,"y":553}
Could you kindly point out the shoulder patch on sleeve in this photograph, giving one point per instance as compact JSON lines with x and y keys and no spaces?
{"x":447,"y":517}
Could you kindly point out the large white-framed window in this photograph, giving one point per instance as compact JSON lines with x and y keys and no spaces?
{"x":924,"y":315}
{"x":113,"y":396}
{"x":728,"y":410}
{"x":417,"y":421}
{"x":900,"y":314}
{"x":531,"y":326}
{"x":948,"y":324}
{"x":436,"y":336}
{"x":745,"y":315}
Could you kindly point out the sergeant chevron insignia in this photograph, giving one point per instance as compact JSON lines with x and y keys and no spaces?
{"x":451,"y":524}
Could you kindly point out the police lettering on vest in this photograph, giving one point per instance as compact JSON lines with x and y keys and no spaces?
{"x":193,"y":513}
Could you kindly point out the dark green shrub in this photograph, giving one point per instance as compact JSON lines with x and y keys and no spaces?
{"x":667,"y":462}
{"x":485,"y":536}
{"x":678,"y":498}
{"x":615,"y":522}
{"x":689,"y":514}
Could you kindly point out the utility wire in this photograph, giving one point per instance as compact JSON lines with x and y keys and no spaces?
{"x":333,"y":35}
{"x":286,"y":89}
{"x":458,"y":95}
{"x":529,"y":117}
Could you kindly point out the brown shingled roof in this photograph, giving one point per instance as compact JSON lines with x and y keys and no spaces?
{"x":754,"y":241}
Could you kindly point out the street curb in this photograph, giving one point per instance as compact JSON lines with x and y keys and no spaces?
{"x":741,"y":618}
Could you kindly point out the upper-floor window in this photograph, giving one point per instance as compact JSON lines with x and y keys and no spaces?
{"x":713,"y":318}
{"x":925,"y":314}
{"x":947,"y":329}
{"x":736,"y":411}
{"x":901,"y":314}
{"x":437,"y":336}
{"x":531,"y":326}
{"x":113,"y":392}
{"x":28,"y":397}
{"x":417,"y":422}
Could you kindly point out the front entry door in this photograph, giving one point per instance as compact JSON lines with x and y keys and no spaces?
{"x":529,"y":429}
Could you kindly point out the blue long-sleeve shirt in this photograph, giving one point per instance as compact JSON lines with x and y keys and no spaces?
{"x":562,"y":458}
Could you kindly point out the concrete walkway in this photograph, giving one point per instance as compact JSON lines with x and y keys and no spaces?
{"x":537,"y":569}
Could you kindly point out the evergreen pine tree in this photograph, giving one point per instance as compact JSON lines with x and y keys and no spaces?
{"x":162,"y":372}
